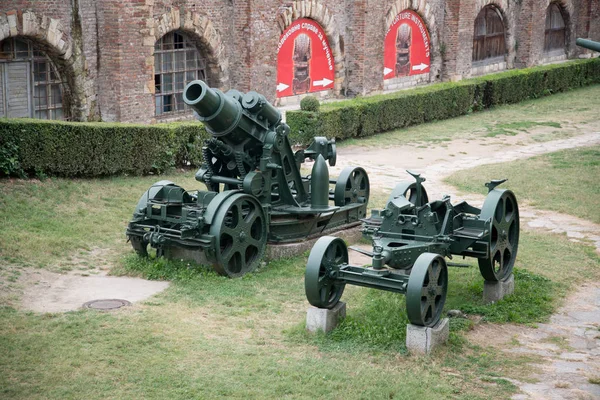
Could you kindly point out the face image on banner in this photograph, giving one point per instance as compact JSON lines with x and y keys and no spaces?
{"x":304,"y":60}
{"x":406,"y":50}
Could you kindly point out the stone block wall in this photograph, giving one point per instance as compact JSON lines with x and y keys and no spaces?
{"x":104,"y":48}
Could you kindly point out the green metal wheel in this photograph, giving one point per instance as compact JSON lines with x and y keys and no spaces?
{"x":240,"y":231}
{"x":321,"y":290}
{"x":501,"y":208}
{"x":426,"y":291}
{"x":352,"y":186}
{"x":408,"y":189}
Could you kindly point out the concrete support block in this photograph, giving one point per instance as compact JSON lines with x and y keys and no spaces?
{"x":494,"y":291}
{"x":424,"y":340}
{"x":322,"y":319}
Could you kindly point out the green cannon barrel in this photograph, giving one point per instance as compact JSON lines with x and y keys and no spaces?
{"x":588,"y":44}
{"x":233,"y":116}
{"x":221,"y":114}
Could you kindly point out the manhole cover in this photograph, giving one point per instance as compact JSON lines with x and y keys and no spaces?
{"x":106,"y":304}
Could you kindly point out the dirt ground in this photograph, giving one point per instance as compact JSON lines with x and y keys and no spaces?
{"x":569,"y":343}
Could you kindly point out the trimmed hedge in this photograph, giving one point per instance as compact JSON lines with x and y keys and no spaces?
{"x":74,"y":149}
{"x":367,"y":116}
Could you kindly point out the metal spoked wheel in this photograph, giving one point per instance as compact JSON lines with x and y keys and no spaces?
{"x":408,"y":189}
{"x":321,"y":290}
{"x":426,"y":291}
{"x":240,"y":231}
{"x":501,"y":208}
{"x":352,"y":186}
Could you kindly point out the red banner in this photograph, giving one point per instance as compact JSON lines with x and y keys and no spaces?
{"x":304,"y":59}
{"x":407,"y":48}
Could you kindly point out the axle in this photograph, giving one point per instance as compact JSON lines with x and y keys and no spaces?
{"x":371,"y":278}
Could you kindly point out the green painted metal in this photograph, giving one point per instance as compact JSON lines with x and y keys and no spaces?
{"x":588,"y":44}
{"x":352,"y":186}
{"x":322,"y":289}
{"x":411,"y":237}
{"x":501,"y":208}
{"x":426,"y":291}
{"x":256,"y":193}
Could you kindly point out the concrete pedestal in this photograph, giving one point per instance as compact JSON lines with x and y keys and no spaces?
{"x":276,"y":251}
{"x":494,"y":291}
{"x":423,"y":340}
{"x":322,"y":319}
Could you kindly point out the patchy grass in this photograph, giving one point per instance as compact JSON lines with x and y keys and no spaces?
{"x":565,"y":181}
{"x":212,"y":337}
{"x":56,"y":223}
{"x":594,"y":379}
{"x":514,"y":128}
{"x":566,"y":110}
{"x":208,"y":336}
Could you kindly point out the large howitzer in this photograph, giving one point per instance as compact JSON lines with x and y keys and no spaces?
{"x":411,"y":237}
{"x":256,"y":193}
{"x":588,"y":44}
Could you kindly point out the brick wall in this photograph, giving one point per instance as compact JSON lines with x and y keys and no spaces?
{"x":104,"y":48}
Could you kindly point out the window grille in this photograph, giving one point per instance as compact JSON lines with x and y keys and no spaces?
{"x":45,"y":90}
{"x":177,"y":62}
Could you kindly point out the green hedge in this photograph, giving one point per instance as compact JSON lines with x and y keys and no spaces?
{"x":366,"y":116}
{"x":31,"y":147}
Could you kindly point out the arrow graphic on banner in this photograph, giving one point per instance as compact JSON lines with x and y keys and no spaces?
{"x":282,"y":86}
{"x":387,"y":70}
{"x":420,"y":67}
{"x":324,"y":82}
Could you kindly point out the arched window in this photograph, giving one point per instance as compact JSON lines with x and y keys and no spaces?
{"x":488,"y":38}
{"x":555,"y":29}
{"x":177,"y":62}
{"x":29,"y":83}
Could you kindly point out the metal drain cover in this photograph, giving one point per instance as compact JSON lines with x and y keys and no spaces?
{"x":106,"y":304}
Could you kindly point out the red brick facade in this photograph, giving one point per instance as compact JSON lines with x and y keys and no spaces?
{"x":104,"y":49}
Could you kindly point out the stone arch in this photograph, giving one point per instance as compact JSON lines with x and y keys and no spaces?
{"x":202,"y":32}
{"x":50,"y":35}
{"x":425,"y":11}
{"x":509,"y":25}
{"x":421,"y":7}
{"x":320,"y":13}
{"x":568,"y":10}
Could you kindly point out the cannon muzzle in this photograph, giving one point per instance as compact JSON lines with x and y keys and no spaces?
{"x":220,"y":113}
{"x":232,"y":114}
{"x":588,"y":44}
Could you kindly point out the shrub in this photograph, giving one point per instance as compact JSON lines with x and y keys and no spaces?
{"x":371,"y":115}
{"x":75,"y":149}
{"x":310,"y":103}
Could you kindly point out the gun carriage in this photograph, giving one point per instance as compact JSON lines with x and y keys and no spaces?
{"x":256,"y":193}
{"x":411,"y":238}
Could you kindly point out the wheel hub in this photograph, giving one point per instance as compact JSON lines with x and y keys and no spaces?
{"x":503,"y":237}
{"x":431,"y":291}
{"x":242,"y":236}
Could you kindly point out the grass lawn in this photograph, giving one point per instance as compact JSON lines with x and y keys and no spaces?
{"x":212,"y":337}
{"x":565,"y":181}
{"x":208,"y":336}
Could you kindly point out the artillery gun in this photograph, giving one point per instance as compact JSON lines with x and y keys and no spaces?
{"x":411,"y":237}
{"x":256,"y":193}
{"x":588,"y":44}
